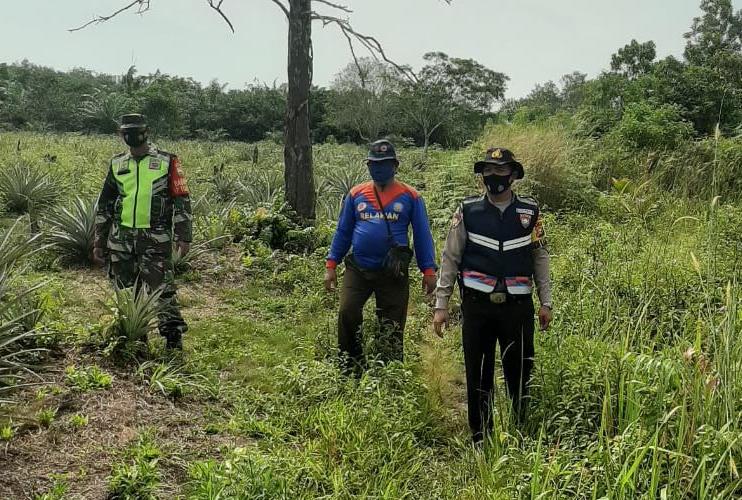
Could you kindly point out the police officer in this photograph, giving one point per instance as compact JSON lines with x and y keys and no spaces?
{"x":495,"y":249}
{"x":144,"y":205}
{"x":374,"y":221}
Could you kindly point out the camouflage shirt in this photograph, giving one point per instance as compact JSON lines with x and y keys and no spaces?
{"x":144,"y":196}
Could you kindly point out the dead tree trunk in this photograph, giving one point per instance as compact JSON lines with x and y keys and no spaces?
{"x":297,"y":152}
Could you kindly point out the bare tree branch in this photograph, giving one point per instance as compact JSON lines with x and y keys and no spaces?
{"x":143,"y":7}
{"x":361,"y":73}
{"x":344,"y":8}
{"x":369,"y":42}
{"x":282,"y":7}
{"x":217,"y":6}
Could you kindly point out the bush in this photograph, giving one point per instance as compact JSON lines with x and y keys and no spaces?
{"x":134,"y":310}
{"x":646,"y":126}
{"x":72,"y":231}
{"x":26,"y":189}
{"x":87,"y":379}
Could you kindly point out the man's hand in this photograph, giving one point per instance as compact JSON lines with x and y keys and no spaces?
{"x":99,"y":256}
{"x":182,"y":247}
{"x":429,"y":284}
{"x":544,"y":317}
{"x":331,"y":280}
{"x":440,"y":320}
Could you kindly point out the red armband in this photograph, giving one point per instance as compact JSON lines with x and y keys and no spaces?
{"x":178,"y":184}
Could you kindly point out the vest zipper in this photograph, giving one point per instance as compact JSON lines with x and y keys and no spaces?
{"x":136,"y":194}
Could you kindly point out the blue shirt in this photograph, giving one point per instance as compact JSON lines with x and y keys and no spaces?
{"x":362,"y":227}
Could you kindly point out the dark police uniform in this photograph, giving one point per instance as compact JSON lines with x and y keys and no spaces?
{"x":495,"y":253}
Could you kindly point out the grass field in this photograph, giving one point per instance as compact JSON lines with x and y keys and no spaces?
{"x":636,"y":390}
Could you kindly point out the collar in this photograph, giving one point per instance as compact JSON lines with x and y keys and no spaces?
{"x":510,"y":202}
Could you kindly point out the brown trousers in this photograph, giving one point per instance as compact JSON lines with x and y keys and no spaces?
{"x":392,"y":296}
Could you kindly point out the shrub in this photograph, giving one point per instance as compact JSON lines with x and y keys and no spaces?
{"x":26,"y":189}
{"x":134,"y":310}
{"x":648,"y":126}
{"x":72,"y":231}
{"x":87,"y":379}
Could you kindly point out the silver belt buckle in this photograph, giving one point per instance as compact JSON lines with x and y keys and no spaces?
{"x":498,"y":297}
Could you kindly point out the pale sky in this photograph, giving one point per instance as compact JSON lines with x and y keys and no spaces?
{"x":531,"y":41}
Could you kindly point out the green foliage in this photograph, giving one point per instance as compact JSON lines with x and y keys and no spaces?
{"x":46,"y":416}
{"x":20,"y":357}
{"x":15,"y":246}
{"x":137,"y":476}
{"x":25,"y":189}
{"x":78,"y":421}
{"x":88,"y":378}
{"x":634,"y":59}
{"x":644,"y":126}
{"x":56,"y":492}
{"x":133,"y":313}
{"x":72,"y":231}
{"x":6,"y":432}
{"x":172,"y":380}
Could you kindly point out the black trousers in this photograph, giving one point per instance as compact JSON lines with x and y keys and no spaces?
{"x":392,"y":296}
{"x":485,"y":324}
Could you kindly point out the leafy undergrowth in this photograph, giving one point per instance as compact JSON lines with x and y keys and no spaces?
{"x":636,"y":391}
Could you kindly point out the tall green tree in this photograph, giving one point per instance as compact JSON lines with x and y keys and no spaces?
{"x":634,"y":59}
{"x":718,"y":30}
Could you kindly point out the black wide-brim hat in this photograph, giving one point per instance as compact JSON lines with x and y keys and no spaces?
{"x":133,"y":120}
{"x":500,"y":157}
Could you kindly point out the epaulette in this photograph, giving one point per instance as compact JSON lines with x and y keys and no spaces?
{"x":165,"y":153}
{"x":527,"y":200}
{"x":119,"y":155}
{"x":472,"y":199}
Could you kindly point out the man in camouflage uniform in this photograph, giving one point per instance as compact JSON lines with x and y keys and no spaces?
{"x":143,"y":207}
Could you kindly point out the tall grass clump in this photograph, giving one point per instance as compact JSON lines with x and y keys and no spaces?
{"x":553,"y":161}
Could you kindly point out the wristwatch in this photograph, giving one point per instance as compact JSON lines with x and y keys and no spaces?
{"x":546,"y":304}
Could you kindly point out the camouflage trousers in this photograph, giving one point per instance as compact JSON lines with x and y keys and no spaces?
{"x":142,"y":257}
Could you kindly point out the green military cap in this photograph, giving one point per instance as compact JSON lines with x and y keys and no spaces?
{"x":133,"y":120}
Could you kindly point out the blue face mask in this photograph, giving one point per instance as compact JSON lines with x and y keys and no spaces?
{"x":382,"y":171}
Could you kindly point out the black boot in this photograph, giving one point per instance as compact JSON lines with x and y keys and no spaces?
{"x":174,"y":341}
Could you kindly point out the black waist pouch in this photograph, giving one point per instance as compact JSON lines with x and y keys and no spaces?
{"x":397,"y":260}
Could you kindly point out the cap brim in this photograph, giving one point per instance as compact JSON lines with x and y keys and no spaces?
{"x":133,"y":125}
{"x":479,"y":166}
{"x":368,"y":158}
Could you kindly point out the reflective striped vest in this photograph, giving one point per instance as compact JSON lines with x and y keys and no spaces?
{"x":140,"y":184}
{"x":499,"y":244}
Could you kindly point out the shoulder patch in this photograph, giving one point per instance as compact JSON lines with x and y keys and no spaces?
{"x":163,"y":152}
{"x":458,"y":216}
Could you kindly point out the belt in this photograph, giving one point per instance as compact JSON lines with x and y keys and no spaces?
{"x":494,"y":297}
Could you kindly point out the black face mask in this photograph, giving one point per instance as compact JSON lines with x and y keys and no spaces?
{"x":135,"y":137}
{"x":497,"y":184}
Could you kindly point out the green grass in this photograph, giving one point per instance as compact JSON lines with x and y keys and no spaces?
{"x":636,"y":391}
